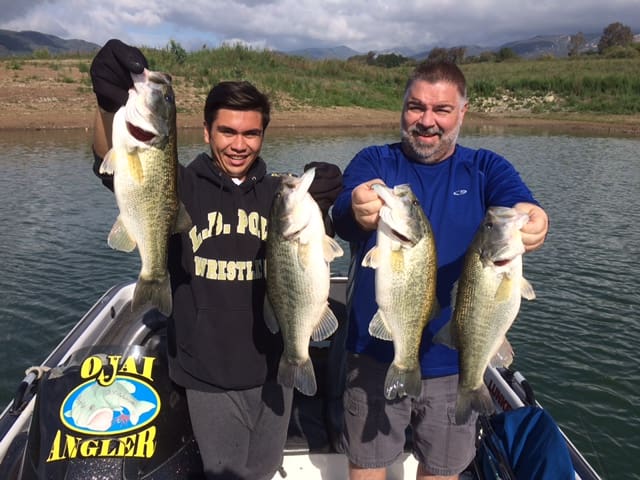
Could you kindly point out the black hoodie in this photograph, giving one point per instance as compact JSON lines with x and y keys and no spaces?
{"x":217,"y":335}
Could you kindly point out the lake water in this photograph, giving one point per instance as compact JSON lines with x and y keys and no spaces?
{"x":577,"y":343}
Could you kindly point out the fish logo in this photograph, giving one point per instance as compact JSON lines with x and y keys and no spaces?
{"x":126,"y":404}
{"x":460,"y":192}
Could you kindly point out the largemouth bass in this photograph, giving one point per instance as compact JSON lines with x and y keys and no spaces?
{"x":298,"y":256}
{"x":405,"y":285}
{"x":486,"y":301}
{"x":94,"y":408}
{"x":144,"y":162}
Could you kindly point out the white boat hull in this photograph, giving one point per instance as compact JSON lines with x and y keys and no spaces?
{"x":323,"y":466}
{"x":111,"y":323}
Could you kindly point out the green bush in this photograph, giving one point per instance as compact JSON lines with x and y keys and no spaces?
{"x":622,"y":52}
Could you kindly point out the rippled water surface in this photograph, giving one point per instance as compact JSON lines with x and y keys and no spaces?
{"x":577,"y":343}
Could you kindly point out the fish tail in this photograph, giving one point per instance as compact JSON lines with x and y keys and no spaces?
{"x":139,"y":409}
{"x":156,"y":292}
{"x":478,"y":400}
{"x":300,"y":376}
{"x":399,"y":382}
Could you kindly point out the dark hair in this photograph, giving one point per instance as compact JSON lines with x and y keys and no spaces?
{"x":439,"y":71}
{"x":240,"y":95}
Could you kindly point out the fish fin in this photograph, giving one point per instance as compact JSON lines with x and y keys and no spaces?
{"x":371,"y":258}
{"x":331,"y":249}
{"x":109,"y":161}
{"x":326,"y":326}
{"x":270,"y":316}
{"x":527,"y":290}
{"x":183,"y":220}
{"x":378,"y":327}
{"x":153,"y":292}
{"x":503,"y":293}
{"x":504,"y":356}
{"x":478,"y":400}
{"x":400,"y":383}
{"x":300,"y":376}
{"x":135,"y":167}
{"x":119,"y":238}
{"x":454,"y":292}
{"x":446,"y":336}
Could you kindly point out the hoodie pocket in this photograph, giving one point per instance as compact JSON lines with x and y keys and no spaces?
{"x":228,"y":348}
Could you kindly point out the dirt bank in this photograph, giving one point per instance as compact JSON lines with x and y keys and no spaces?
{"x":56,"y":94}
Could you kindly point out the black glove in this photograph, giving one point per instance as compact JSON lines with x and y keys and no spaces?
{"x":111,"y":73}
{"x":326,"y":185}
{"x":325,"y":188}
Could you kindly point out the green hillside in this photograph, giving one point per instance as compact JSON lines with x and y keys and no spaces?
{"x":590,"y":84}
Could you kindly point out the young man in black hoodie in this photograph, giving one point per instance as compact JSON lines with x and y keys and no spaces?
{"x":219,"y":347}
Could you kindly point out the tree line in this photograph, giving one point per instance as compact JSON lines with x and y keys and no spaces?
{"x":616,"y":41}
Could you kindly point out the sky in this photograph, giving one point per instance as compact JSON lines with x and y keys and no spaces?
{"x":288,"y":25}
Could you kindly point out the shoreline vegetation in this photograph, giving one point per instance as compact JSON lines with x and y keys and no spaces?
{"x":595,"y":94}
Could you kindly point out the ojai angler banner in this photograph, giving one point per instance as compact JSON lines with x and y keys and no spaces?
{"x":116,"y":396}
{"x":111,"y":408}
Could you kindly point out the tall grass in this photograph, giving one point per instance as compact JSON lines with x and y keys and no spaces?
{"x":589,"y":84}
{"x":292,"y":81}
{"x":585,"y":84}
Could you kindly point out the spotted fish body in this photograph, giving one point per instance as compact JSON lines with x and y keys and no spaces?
{"x":486,"y":301}
{"x":405,"y":285}
{"x":298,"y":277}
{"x":144,"y":162}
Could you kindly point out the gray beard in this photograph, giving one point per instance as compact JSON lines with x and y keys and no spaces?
{"x":428,"y":154}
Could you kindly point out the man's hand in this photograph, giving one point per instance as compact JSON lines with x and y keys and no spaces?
{"x":111,"y":73}
{"x":366,"y":204}
{"x":535,"y":231}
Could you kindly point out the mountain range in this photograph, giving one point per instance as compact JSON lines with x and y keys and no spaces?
{"x":27,"y":42}
{"x":540,"y":45}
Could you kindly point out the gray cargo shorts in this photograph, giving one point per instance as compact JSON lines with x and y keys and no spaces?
{"x":241,"y":433}
{"x":374,"y":434}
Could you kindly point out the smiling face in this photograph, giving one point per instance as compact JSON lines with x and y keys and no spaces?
{"x":431,"y":119}
{"x":235,"y":138}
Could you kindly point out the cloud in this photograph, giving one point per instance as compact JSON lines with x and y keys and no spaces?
{"x":11,"y":9}
{"x":294,"y":24}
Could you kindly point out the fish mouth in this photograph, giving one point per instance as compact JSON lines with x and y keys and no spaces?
{"x":295,"y":190}
{"x":391,"y":227}
{"x":140,"y":134}
{"x":396,"y":226}
{"x":499,"y":256}
{"x":403,"y":239}
{"x":294,"y":233}
{"x":502,"y":262}
{"x":144,"y":98}
{"x":503,"y":256}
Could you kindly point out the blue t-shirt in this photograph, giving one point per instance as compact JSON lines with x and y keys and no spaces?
{"x":455,"y":194}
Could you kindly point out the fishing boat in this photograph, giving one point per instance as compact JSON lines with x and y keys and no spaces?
{"x":101,"y":405}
